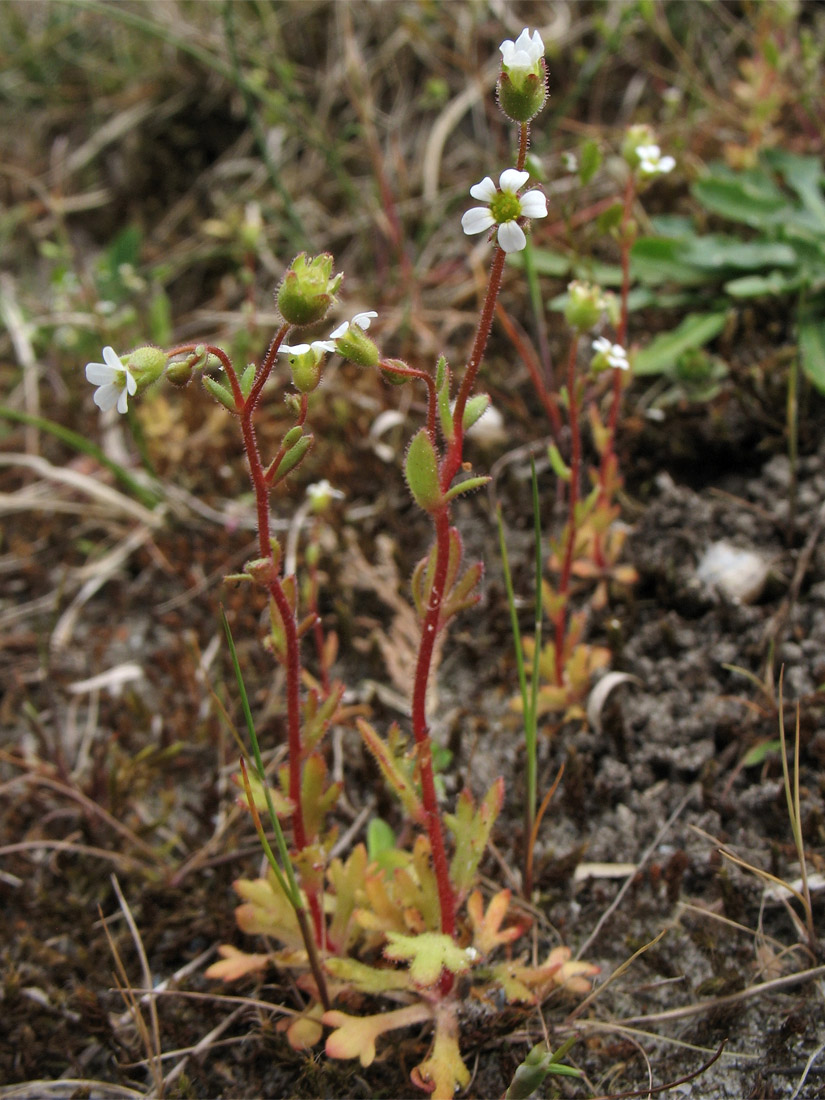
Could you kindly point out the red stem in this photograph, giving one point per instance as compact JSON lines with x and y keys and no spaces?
{"x":421,"y":732}
{"x":245,"y":409}
{"x":575,"y":473}
{"x":608,"y":457}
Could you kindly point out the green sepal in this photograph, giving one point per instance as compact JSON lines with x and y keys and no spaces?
{"x":467,"y":486}
{"x":220,"y":392}
{"x":421,"y":472}
{"x":560,"y":467}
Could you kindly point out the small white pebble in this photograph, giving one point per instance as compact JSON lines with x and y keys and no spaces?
{"x":737,"y":575}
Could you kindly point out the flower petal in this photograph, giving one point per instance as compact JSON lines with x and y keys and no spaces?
{"x":534,"y":204}
{"x":485,"y":191}
{"x":131,"y":384}
{"x":511,"y":179}
{"x":477,"y":220}
{"x":363,"y":319}
{"x":107,"y":397}
{"x":99,"y":374}
{"x":511,"y":237}
{"x":295,"y":349}
{"x":123,"y":402}
{"x":112,"y":359}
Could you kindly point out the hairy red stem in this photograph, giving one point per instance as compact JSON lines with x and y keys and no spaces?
{"x":573,"y":500}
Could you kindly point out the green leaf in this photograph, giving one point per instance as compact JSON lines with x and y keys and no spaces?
{"x":536,"y":1066}
{"x":749,"y":197}
{"x":760,"y":752}
{"x":717,"y":251}
{"x":421,"y":472}
{"x":295,"y":454}
{"x":811,"y":337}
{"x":428,"y":954}
{"x":560,"y":467}
{"x":696,"y":329}
{"x":804,"y":175}
{"x":761,"y":286}
{"x":395,"y":768}
{"x":380,"y":837}
{"x":442,"y":386}
{"x":467,"y":486}
{"x":220,"y":392}
{"x":590,"y":160}
{"x":471,"y":828}
{"x":475,"y":408}
{"x":657,"y":260}
{"x":545,"y":262}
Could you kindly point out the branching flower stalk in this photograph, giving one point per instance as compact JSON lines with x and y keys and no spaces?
{"x":331,"y":913}
{"x":644,"y":162}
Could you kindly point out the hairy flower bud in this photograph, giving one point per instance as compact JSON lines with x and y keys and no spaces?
{"x":308,"y":289}
{"x":585,"y":305}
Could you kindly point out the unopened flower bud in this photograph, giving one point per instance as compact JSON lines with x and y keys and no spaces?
{"x":308,"y":289}
{"x":585,"y":305}
{"x":395,"y":378}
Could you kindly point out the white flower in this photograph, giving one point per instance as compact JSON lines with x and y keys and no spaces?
{"x":363,"y":321}
{"x":321,"y":494}
{"x":525,"y":53}
{"x":651,"y":161}
{"x":115,"y":383}
{"x":504,"y":206}
{"x":318,"y":346}
{"x":613,"y":354}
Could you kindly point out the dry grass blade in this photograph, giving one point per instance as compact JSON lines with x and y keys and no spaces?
{"x":102,"y":571}
{"x":90,"y":487}
{"x":149,"y":1034}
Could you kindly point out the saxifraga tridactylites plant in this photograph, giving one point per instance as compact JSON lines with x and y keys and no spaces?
{"x":416,"y":914}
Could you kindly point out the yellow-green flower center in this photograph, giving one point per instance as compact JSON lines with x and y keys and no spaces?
{"x":505,"y":207}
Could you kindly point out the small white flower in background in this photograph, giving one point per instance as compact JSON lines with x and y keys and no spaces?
{"x":321,"y":495}
{"x":569,"y":162}
{"x":651,"y":161}
{"x":115,"y":383}
{"x":613,"y":355}
{"x":523,"y":54}
{"x":504,"y":206}
{"x":363,"y":321}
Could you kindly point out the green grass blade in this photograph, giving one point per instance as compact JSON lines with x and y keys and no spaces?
{"x":286,"y":877}
{"x":147,"y":497}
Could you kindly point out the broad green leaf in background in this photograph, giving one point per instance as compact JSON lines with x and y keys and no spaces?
{"x":695,"y":331}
